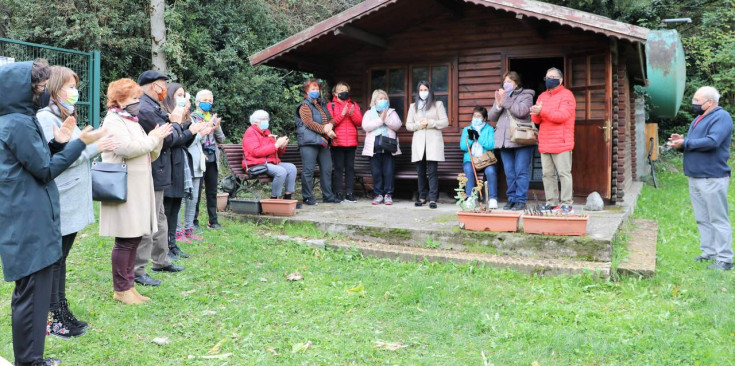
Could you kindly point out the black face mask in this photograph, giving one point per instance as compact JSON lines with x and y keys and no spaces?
{"x":343,"y":95}
{"x":133,"y":109}
{"x":42,"y":100}
{"x":552,"y":83}
{"x":697,"y":109}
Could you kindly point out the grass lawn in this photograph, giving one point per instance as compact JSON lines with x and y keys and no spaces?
{"x":234,"y":295}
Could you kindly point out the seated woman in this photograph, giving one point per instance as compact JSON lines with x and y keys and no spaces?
{"x":260,"y":147}
{"x":481,"y":137}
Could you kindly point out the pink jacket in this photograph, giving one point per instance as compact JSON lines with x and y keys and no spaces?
{"x":393,"y":122}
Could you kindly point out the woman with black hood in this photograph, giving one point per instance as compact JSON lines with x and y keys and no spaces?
{"x":31,"y":240}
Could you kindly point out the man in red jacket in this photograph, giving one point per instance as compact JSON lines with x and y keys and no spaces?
{"x":555,"y":112}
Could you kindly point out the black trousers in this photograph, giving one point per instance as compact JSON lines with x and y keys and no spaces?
{"x":343,"y":161}
{"x":172,"y":206}
{"x":382,"y":167}
{"x":430,"y":188}
{"x":58,"y":285}
{"x":30,"y":305}
{"x":209,"y":183}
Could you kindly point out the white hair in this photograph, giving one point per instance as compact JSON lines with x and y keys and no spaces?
{"x":202,"y":93}
{"x":258,"y":116}
{"x":376,"y":94}
{"x":710,"y":92}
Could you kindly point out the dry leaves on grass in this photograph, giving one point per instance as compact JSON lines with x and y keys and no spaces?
{"x":296,"y":276}
{"x":217,"y":347}
{"x":272,"y":351}
{"x":390,"y":346}
{"x":186,"y":293}
{"x":211,"y":357}
{"x":161,"y":341}
{"x":298,"y":347}
{"x":359,"y":289}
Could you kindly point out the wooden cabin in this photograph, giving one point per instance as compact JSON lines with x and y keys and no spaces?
{"x":464,"y":47}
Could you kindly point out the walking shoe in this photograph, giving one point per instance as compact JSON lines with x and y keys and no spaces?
{"x":214,"y":226}
{"x":339,"y":197}
{"x":138,"y":295}
{"x":567,"y":210}
{"x":518,"y":206}
{"x":58,"y":325}
{"x":332,"y":200}
{"x":47,"y":362}
{"x":189,"y":233}
{"x":350,"y":198}
{"x":173,"y":256}
{"x":509,"y":206}
{"x":432,"y":205}
{"x":378,"y":200}
{"x":548,"y":208}
{"x":492,"y":203}
{"x":722,"y":266}
{"x":127,"y":297}
{"x":147,"y":280}
{"x":73,"y":319}
{"x":704,"y":258}
{"x":388,"y":200}
{"x":170,"y":268}
{"x":310,"y":202}
{"x":177,"y":251}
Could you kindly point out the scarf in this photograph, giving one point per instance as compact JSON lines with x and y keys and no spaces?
{"x":476,"y":150}
{"x":123,"y":113}
{"x":373,"y":114}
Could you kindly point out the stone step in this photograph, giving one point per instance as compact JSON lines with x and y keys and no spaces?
{"x":641,"y":259}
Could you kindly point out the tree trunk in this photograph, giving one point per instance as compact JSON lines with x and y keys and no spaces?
{"x":158,"y":35}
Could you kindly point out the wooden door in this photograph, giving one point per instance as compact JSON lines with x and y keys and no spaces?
{"x":589,"y":77}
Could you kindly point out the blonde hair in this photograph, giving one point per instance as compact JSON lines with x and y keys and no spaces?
{"x":60,"y":75}
{"x":334,"y":89}
{"x":376,"y":94}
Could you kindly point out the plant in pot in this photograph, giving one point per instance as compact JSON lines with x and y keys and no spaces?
{"x":475,"y":215}
{"x":246,"y":203}
{"x":536,"y":221}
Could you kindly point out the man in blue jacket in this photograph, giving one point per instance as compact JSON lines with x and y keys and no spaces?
{"x":31,"y":236}
{"x":706,"y":151}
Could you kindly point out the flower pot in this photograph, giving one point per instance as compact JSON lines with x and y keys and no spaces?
{"x":278,"y":207}
{"x":573,"y":225}
{"x":499,"y":221}
{"x":222,"y":201}
{"x":245,"y":206}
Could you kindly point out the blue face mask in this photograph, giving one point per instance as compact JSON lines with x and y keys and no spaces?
{"x":264,"y":125}
{"x":381,"y":105}
{"x":477,"y":122}
{"x":205,"y":106}
{"x":314,"y":94}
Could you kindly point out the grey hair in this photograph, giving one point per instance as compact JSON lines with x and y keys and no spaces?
{"x":561,"y":74}
{"x":710,"y":93}
{"x":258,"y":115}
{"x":376,"y":94}
{"x":202,"y":93}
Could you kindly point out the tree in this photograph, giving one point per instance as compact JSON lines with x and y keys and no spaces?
{"x":158,"y":34}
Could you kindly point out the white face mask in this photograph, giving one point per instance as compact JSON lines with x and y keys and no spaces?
{"x":423,"y":95}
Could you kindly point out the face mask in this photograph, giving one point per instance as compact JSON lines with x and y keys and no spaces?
{"x":477,"y":122}
{"x":423,"y":95}
{"x":381,"y":105}
{"x":204,"y":106}
{"x":180,"y":102}
{"x":697,"y":109}
{"x":162,"y":93}
{"x":508,"y":87}
{"x":43,"y":99}
{"x":72,"y":96}
{"x":314,"y":94}
{"x":552,"y":83}
{"x":133,"y":109}
{"x":343,"y":95}
{"x":264,"y":125}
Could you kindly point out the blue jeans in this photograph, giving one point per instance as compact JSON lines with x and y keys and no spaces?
{"x":382,"y":167}
{"x":517,"y":166}
{"x":490,"y":175}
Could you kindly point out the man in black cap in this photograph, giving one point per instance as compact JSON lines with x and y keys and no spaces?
{"x":155,"y":246}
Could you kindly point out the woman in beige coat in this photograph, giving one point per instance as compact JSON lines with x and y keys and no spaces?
{"x":426,"y":118}
{"x":129,"y":221}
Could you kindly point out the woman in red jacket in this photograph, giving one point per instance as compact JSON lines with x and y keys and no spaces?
{"x":260,"y":147}
{"x":347,"y":119}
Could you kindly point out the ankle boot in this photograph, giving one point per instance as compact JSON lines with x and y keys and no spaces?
{"x":73,"y":319}
{"x":58,"y":325}
{"x":127,"y":297}
{"x":136,"y":293}
{"x":174,"y":249}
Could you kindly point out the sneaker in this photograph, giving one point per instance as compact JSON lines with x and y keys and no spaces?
{"x":214,"y":226}
{"x":310,"y":202}
{"x":181,"y":237}
{"x":339,"y":197}
{"x":509,"y":206}
{"x":378,"y":200}
{"x":173,"y":256}
{"x":58,"y":325}
{"x":47,"y":362}
{"x":332,"y":200}
{"x":73,"y":319}
{"x":567,"y":210}
{"x":704,"y":258}
{"x":492,"y":203}
{"x":549,"y":208}
{"x":722,"y":266}
{"x":189,"y":234}
{"x":350,"y":198}
{"x":518,"y":206}
{"x":388,"y":200}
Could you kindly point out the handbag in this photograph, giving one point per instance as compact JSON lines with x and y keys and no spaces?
{"x":522,"y":133}
{"x":388,"y":144}
{"x":483,"y":161}
{"x":110,"y":182}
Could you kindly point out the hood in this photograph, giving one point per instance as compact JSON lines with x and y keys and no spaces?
{"x":525,"y":91}
{"x":15,"y":80}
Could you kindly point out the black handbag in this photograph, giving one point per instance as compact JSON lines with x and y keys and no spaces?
{"x":109,"y":182}
{"x":388,"y":144}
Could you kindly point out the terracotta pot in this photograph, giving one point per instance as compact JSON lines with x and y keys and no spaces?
{"x":278,"y":207}
{"x":222,"y":201}
{"x":555,"y":225}
{"x":506,"y":221}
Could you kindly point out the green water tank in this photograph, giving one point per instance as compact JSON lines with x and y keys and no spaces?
{"x":666,"y":71}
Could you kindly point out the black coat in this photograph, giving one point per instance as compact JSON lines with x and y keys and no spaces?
{"x":150,"y":115}
{"x":181,"y":139}
{"x":30,"y":239}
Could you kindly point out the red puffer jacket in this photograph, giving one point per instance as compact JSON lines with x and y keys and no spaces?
{"x":345,"y":126}
{"x":556,"y":130}
{"x":257,"y":146}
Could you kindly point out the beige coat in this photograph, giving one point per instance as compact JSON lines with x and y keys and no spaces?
{"x":429,"y":139}
{"x":137,"y":216}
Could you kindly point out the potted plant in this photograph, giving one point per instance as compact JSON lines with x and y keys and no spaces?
{"x":278,"y":207}
{"x":536,"y":221}
{"x":222,"y":201}
{"x":475,"y":215}
{"x":248,"y":204}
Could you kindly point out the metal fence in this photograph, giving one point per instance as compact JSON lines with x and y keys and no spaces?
{"x":85,"y":64}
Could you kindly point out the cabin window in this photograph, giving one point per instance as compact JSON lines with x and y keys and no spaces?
{"x":393,"y":81}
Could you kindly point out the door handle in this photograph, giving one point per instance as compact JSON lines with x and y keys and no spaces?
{"x":607,"y":129}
